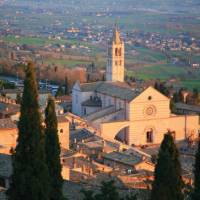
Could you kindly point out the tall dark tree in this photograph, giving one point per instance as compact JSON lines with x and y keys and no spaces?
{"x":196,"y":192}
{"x":156,"y":86}
{"x":108,"y":191}
{"x":18,"y":98}
{"x":30,"y":178}
{"x":160,"y":86}
{"x":131,"y":197}
{"x":67,"y":86}
{"x":60,"y":92}
{"x":88,"y":194}
{"x":180,"y":95}
{"x":168,"y":183}
{"x":52,"y":148}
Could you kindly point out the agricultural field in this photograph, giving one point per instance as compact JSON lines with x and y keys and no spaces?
{"x":37,"y":20}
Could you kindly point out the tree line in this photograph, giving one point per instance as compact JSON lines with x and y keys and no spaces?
{"x":36,"y":159}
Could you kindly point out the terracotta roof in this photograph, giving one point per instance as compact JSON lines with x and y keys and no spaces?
{"x":87,"y":87}
{"x":9,"y":108}
{"x":11,"y":91}
{"x":115,"y":89}
{"x":123,"y":158}
{"x":7,"y":124}
{"x":61,"y":119}
{"x":64,"y":98}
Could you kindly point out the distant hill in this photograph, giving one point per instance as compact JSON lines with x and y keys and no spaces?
{"x":100,"y":5}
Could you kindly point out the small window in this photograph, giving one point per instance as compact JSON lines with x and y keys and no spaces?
{"x":149,"y":98}
{"x":149,"y":136}
{"x":116,"y":52}
{"x":120,"y":52}
{"x":61,"y":130}
{"x":116,"y":63}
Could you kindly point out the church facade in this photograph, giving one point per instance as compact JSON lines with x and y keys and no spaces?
{"x":136,"y":116}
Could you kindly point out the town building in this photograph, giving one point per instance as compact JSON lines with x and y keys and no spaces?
{"x":9,"y":134}
{"x":135,"y":116}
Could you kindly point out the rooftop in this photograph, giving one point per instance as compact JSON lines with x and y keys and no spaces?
{"x":61,"y":119}
{"x":7,"y":124}
{"x":116,"y":89}
{"x":192,"y":108}
{"x":123,"y":158}
{"x":81,"y":135}
{"x":6,"y":108}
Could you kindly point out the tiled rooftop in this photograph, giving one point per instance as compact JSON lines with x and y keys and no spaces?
{"x":9,"y":108}
{"x":7,"y":124}
{"x":123,"y":158}
{"x":115,"y":89}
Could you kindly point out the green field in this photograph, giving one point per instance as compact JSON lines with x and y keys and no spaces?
{"x":143,"y":64}
{"x":65,"y":63}
{"x":35,"y":41}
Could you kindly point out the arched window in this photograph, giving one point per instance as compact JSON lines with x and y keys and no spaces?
{"x":116,"y":52}
{"x":149,"y":136}
{"x":120,"y":52}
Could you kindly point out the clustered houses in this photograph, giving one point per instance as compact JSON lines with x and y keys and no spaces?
{"x":9,"y":116}
{"x":136,"y":116}
{"x":181,"y":42}
{"x":105,"y":113}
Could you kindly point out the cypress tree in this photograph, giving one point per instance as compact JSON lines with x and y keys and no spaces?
{"x":30,"y":178}
{"x":88,"y":194}
{"x":196,"y":192}
{"x":67,"y":92}
{"x":52,"y":148}
{"x":168,"y":183}
{"x":108,"y":191}
{"x":60,"y":92}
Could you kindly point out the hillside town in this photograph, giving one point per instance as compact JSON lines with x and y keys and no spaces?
{"x":107,"y":130}
{"x":99,"y":100}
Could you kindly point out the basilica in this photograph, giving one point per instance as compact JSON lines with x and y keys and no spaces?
{"x":135,"y":116}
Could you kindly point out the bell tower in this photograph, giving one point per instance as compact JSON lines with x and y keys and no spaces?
{"x":115,"y":58}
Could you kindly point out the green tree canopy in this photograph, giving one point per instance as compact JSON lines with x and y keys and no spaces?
{"x":60,"y":92}
{"x":30,"y":178}
{"x":52,"y":148}
{"x":196,"y":192}
{"x":168,"y":183}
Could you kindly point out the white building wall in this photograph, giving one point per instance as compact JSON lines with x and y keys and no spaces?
{"x":78,"y":98}
{"x":183,"y":127}
{"x":149,"y":99}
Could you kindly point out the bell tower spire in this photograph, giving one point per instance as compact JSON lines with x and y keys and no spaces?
{"x":115,"y":58}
